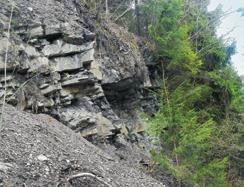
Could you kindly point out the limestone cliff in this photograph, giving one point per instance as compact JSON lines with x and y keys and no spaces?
{"x":63,"y":61}
{"x":86,"y":72}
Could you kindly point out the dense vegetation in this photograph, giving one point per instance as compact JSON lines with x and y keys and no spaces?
{"x":199,"y":125}
{"x":199,"y":122}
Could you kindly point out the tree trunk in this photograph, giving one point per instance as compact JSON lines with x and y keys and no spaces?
{"x":106,"y":4}
{"x":137,"y":13}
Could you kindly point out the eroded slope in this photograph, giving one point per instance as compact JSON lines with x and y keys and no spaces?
{"x":37,"y":150}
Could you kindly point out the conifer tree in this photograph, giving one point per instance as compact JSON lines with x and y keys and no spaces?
{"x":198,"y":124}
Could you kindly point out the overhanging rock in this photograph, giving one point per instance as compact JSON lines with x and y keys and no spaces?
{"x":60,"y":55}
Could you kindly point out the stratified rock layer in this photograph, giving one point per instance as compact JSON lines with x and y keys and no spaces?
{"x":62,"y":61}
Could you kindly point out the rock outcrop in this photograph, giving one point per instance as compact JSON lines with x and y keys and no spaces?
{"x":89,"y":74}
{"x":62,"y":61}
{"x":37,"y":150}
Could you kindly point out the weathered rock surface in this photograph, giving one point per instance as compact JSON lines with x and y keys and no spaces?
{"x":85,"y":72}
{"x":59,"y":56}
{"x":37,"y":150}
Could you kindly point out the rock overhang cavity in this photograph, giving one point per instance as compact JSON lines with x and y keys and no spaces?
{"x":62,"y":64}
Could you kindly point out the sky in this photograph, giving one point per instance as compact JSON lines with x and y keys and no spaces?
{"x":231,"y":21}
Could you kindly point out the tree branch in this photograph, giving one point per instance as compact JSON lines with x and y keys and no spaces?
{"x":86,"y":175}
{"x":125,"y":12}
{"x":5,"y":66}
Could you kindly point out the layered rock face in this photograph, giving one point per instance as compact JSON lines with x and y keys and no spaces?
{"x":61,"y":61}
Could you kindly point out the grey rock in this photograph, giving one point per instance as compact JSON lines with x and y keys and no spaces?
{"x":72,"y":38}
{"x":57,"y":66}
{"x":89,"y":35}
{"x":13,"y":50}
{"x":67,"y":103}
{"x":103,"y":127}
{"x":78,"y":118}
{"x":53,"y":30}
{"x":67,"y":152}
{"x":66,"y":63}
{"x":7,"y":78}
{"x":36,"y":32}
{"x":51,"y":89}
{"x":88,"y":123}
{"x":44,"y":86}
{"x":1,"y":93}
{"x":79,"y":38}
{"x":55,"y":76}
{"x":31,"y":51}
{"x":10,"y":66}
{"x":38,"y":64}
{"x":95,"y":70}
{"x":93,"y":88}
{"x":67,"y":98}
{"x":49,"y":103}
{"x":71,"y":63}
{"x":5,"y":166}
{"x":87,"y":57}
{"x":42,"y":158}
{"x":78,"y":79}
{"x":3,"y":42}
{"x":59,"y":48}
{"x":64,"y":93}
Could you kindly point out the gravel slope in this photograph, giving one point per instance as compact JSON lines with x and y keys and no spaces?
{"x":37,"y":150}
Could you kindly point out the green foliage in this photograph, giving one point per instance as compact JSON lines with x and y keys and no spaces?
{"x":171,"y":37}
{"x":199,"y":122}
{"x":188,"y":140}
